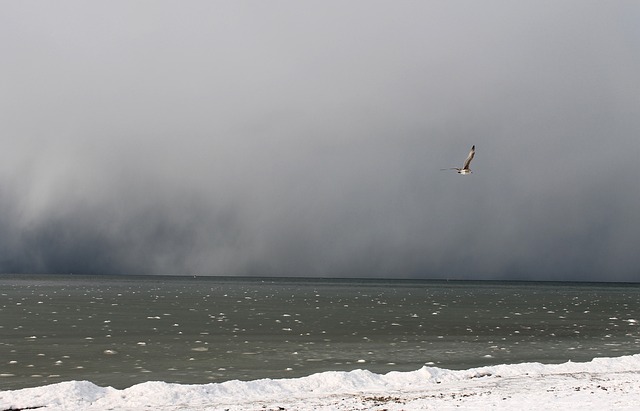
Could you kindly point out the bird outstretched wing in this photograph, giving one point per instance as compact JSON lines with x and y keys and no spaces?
{"x":467,"y":162}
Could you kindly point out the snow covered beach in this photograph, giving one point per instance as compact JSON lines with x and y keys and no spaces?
{"x":603,"y":383}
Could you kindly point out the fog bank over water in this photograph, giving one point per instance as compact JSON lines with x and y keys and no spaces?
{"x":306,"y":139}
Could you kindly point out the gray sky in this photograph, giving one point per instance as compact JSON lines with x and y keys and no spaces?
{"x":306,"y":138}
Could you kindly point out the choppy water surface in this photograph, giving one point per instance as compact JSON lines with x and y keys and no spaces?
{"x":120,"y":331}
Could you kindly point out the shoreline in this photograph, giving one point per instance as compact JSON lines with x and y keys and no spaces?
{"x":603,"y":383}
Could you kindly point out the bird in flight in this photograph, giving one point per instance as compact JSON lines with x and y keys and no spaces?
{"x":465,"y":167}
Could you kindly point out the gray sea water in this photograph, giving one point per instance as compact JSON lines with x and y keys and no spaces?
{"x":120,"y":330}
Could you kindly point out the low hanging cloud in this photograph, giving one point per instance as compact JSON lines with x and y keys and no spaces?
{"x":307,"y":139}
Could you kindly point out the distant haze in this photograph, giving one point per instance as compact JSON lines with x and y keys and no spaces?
{"x":289,"y":138}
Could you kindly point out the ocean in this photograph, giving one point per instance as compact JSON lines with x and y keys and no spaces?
{"x":123,"y":330}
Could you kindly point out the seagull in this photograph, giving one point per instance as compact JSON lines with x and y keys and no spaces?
{"x":465,"y":167}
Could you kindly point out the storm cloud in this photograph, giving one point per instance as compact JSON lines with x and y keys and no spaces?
{"x":291,"y":138}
